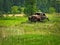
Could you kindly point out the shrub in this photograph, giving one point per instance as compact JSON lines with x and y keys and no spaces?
{"x":52,"y":10}
{"x":15,"y":10}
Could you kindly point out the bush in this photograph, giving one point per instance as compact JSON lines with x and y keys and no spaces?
{"x":15,"y":10}
{"x":52,"y":10}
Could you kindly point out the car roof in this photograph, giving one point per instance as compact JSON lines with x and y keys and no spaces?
{"x":38,"y":12}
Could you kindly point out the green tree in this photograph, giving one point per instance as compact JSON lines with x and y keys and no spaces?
{"x":15,"y":10}
{"x":43,"y":5}
{"x":7,"y":5}
{"x":1,"y":5}
{"x":30,"y":7}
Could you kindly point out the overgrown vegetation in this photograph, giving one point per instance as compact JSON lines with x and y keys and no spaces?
{"x":30,"y":6}
{"x":19,"y":31}
{"x":32,"y":40}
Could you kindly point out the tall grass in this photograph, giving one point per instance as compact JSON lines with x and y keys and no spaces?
{"x":19,"y":31}
{"x":32,"y":40}
{"x":11,"y":21}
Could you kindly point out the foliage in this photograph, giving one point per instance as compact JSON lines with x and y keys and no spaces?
{"x":32,"y":40}
{"x":52,"y":10}
{"x":15,"y":10}
{"x":30,"y":6}
{"x":18,"y":31}
{"x":22,"y":10}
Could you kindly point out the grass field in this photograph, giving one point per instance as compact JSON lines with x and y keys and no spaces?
{"x":19,"y":31}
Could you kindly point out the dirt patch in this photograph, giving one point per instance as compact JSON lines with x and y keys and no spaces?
{"x":16,"y":15}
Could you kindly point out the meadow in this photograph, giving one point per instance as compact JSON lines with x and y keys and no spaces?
{"x":20,"y":31}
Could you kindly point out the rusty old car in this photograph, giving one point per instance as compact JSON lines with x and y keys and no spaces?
{"x":38,"y":17}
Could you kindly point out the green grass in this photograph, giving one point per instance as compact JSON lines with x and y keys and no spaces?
{"x":32,"y":40}
{"x":11,"y":21}
{"x":19,"y":31}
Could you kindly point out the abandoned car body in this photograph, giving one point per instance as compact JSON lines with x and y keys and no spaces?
{"x":37,"y":17}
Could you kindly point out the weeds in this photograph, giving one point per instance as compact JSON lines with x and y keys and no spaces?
{"x":19,"y":31}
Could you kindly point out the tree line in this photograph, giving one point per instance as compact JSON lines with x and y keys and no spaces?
{"x":29,"y":6}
